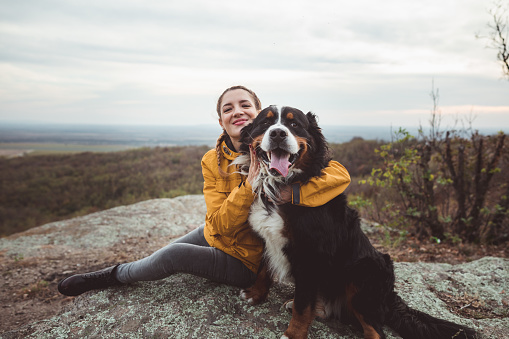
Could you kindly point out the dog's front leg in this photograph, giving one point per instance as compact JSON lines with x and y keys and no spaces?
{"x":259,"y":291}
{"x":303,"y":311}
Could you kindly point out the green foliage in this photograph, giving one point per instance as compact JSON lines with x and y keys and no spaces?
{"x":19,"y":257}
{"x":410,"y":185}
{"x":358,"y":202}
{"x":397,"y":159}
{"x":44,"y":188}
{"x":450,"y":188}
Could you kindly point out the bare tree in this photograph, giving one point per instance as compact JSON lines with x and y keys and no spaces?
{"x":498,"y":34}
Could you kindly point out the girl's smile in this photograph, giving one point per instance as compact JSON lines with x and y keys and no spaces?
{"x":240,"y":122}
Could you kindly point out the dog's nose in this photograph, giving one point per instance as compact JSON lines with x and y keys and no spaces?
{"x":278,"y":135}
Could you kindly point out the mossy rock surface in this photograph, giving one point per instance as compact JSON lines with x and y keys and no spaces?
{"x":184,"y":306}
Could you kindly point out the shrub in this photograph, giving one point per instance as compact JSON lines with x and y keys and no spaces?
{"x":443,"y":187}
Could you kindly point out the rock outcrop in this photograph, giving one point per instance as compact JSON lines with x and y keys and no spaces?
{"x":184,"y":306}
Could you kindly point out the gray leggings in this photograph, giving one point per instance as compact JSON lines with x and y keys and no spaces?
{"x":189,"y":254}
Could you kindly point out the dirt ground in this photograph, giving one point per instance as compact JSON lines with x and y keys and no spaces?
{"x":29,"y":291}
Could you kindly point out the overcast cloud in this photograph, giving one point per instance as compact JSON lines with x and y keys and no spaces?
{"x":360,"y":62}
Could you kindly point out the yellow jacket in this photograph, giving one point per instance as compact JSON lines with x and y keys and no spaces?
{"x":229,"y":198}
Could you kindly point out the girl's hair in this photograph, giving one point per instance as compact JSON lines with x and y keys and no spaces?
{"x":224,"y":135}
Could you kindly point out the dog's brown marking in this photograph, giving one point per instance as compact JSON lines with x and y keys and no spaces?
{"x":303,"y":144}
{"x":257,"y":141}
{"x":303,"y":160}
{"x":270,"y":114}
{"x":369,"y":331}
{"x":289,"y":116}
{"x":299,"y":325}
{"x":260,"y":290}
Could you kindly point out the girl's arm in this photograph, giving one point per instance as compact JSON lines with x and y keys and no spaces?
{"x":227,"y":202}
{"x":320,"y":190}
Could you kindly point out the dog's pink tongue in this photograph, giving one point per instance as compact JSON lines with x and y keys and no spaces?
{"x":280,"y":163}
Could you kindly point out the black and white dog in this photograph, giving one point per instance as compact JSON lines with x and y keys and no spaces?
{"x":321,"y":249}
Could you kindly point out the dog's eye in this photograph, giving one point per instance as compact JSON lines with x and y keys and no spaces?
{"x":294,"y":124}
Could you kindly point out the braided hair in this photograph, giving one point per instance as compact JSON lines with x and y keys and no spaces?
{"x":219,"y":153}
{"x":224,"y":135}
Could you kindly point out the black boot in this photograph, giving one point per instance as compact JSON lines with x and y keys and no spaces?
{"x":81,"y":283}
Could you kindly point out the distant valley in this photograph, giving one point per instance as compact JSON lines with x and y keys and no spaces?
{"x":20,"y":139}
{"x":56,"y":138}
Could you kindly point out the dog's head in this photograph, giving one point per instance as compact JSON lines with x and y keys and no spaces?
{"x":288,"y":143}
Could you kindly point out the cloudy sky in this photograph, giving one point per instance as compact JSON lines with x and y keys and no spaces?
{"x":362,"y":62}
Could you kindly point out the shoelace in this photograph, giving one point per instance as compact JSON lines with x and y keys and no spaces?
{"x":97,"y":275}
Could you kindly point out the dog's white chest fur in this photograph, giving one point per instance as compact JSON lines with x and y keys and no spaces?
{"x":270,"y":228}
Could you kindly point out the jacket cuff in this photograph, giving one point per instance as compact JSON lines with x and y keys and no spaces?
{"x":247,"y":185}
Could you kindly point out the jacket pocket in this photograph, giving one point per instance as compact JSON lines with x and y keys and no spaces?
{"x":225,"y":185}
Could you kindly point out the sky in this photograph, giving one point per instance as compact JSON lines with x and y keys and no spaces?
{"x":149,"y":62}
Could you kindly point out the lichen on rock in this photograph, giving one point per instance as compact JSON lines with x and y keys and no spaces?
{"x":185,"y":306}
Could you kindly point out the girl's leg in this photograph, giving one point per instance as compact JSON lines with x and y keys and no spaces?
{"x":189,"y":254}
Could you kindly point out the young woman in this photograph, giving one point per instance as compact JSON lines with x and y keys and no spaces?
{"x":224,"y":249}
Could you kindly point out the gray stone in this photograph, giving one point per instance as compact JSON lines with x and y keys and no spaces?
{"x":184,"y":306}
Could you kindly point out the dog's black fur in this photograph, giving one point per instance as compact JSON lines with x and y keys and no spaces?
{"x":330,"y":258}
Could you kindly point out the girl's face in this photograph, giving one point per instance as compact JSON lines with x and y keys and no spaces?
{"x":237,"y":111}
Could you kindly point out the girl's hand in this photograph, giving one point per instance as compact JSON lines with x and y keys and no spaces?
{"x":254,"y":168}
{"x":286,"y":195}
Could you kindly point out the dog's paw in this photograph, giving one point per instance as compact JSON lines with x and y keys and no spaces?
{"x":244,"y":295}
{"x":294,"y":335}
{"x":288,"y":306}
{"x":320,"y":310}
{"x":252,"y":296}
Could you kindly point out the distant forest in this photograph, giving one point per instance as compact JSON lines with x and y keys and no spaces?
{"x":450,"y":188}
{"x":43,"y":188}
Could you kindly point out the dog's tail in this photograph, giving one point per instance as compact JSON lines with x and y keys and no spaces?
{"x":413,"y":324}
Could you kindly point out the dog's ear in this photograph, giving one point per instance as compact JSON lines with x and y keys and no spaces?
{"x":312,"y":119}
{"x":245,"y":134}
{"x":245,"y":138}
{"x":320,"y":147}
